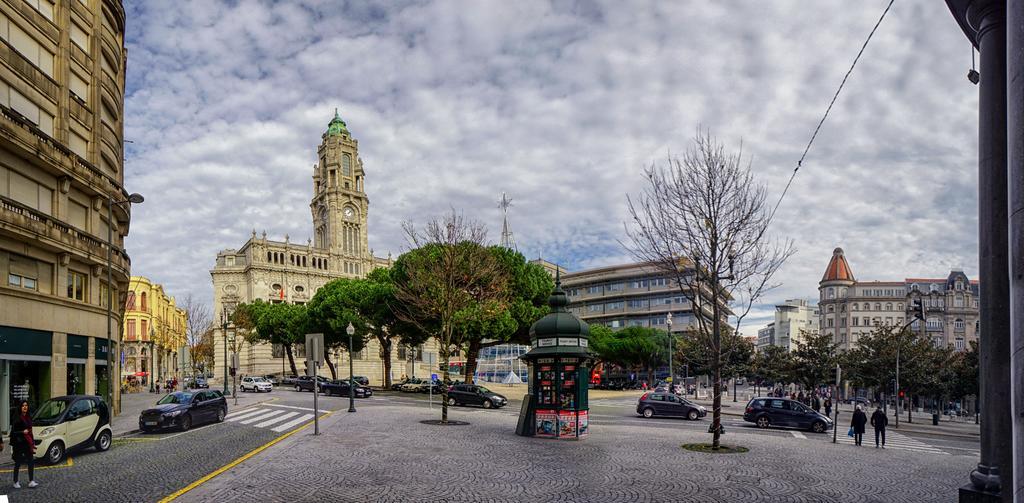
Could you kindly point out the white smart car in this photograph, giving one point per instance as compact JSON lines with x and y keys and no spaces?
{"x":70,"y":423}
{"x":256,"y":384}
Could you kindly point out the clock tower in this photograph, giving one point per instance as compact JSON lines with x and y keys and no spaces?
{"x":339,"y":203}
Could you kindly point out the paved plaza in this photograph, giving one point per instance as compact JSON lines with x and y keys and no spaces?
{"x":384,"y":453}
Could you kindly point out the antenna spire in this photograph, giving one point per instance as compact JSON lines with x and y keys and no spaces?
{"x":507,"y":240}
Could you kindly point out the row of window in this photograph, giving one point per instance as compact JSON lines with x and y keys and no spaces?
{"x":295,"y":260}
{"x":76,"y":288}
{"x":678,"y":319}
{"x":637,"y":303}
{"x":619,"y":286}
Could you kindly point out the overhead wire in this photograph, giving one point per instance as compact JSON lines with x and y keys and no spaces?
{"x":814,"y":135}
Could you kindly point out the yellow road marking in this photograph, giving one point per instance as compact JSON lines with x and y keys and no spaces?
{"x":67,"y":464}
{"x":211,"y":475}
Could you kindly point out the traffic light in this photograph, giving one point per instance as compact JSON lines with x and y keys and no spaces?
{"x":901,"y":393}
{"x":918,"y":309}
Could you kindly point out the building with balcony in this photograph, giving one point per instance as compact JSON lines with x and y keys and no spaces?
{"x":62,"y":75}
{"x":154,"y":333}
{"x":631,"y":295}
{"x":849,"y":309}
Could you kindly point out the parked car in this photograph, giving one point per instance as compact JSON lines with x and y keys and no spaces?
{"x":767,"y":412}
{"x":256,"y":384}
{"x":413,"y":386}
{"x":397,"y":386}
{"x":340,"y":388}
{"x":71,"y":423}
{"x":471,"y":394}
{"x":200,"y":383}
{"x":305,"y":383}
{"x":273,"y":380}
{"x":434,"y":387}
{"x":669,"y":405}
{"x":288,"y":380}
{"x":184,"y":409}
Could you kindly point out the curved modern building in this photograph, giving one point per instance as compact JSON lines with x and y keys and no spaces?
{"x":62,"y":80}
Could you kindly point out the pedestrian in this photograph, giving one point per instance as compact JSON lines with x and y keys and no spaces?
{"x":23,"y":445}
{"x":817,"y":403}
{"x":857,"y":423}
{"x":828,"y":407}
{"x":879,"y":421}
{"x":800,"y":397}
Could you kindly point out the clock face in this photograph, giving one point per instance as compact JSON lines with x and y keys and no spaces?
{"x":348,"y":212}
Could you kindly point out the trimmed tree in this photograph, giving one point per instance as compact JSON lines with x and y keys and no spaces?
{"x":330,"y":311}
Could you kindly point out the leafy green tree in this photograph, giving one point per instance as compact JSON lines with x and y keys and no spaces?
{"x":814,"y":360}
{"x":448,"y":281}
{"x":637,"y":349}
{"x":330,"y":311}
{"x":529,"y":287}
{"x":772,"y":365}
{"x":283,"y":324}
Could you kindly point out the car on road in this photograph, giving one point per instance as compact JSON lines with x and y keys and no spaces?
{"x":397,"y":385}
{"x":70,"y":423}
{"x":471,"y":394}
{"x":767,"y":412}
{"x":200,"y":383}
{"x":428,"y":387}
{"x":183,"y":410}
{"x":288,"y":380}
{"x":273,"y":380}
{"x":669,"y":405}
{"x":305,"y":383}
{"x":414,"y":386}
{"x":362,"y":380}
{"x":341,"y":388}
{"x":256,"y":384}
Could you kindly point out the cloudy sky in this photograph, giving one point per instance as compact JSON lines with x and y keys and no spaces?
{"x":561,"y":105}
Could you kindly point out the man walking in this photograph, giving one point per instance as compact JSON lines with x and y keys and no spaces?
{"x":879,"y":421}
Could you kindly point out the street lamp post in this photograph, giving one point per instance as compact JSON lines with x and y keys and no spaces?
{"x":136,"y":199}
{"x":152,"y":359}
{"x":350,"y":330}
{"x":671,"y":376}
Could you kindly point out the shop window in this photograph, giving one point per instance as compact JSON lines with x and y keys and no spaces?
{"x":76,"y":286}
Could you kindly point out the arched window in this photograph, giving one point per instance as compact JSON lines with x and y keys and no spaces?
{"x":878,"y":306}
{"x":130,"y":303}
{"x":346,"y":165}
{"x":888,"y":306}
{"x":831,"y":308}
{"x":867,"y":306}
{"x":959,"y":324}
{"x":856,"y":306}
{"x":143,"y":304}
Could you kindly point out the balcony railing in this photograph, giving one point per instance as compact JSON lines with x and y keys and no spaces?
{"x":64,"y":231}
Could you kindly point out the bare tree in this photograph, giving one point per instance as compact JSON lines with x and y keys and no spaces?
{"x":198,"y":326}
{"x":448,"y":278}
{"x":702,"y":219}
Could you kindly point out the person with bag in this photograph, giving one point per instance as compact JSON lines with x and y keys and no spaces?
{"x":857,"y":423}
{"x":879,"y":421}
{"x":23,"y":445}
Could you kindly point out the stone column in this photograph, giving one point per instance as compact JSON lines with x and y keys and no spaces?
{"x":989,"y":18}
{"x":59,"y":365}
{"x":1015,"y":142}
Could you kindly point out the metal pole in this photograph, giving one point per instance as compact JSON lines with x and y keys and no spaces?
{"x":110,"y":300}
{"x":316,"y":403}
{"x":898,"y":397}
{"x":671,"y":376}
{"x":225,"y":318}
{"x":351,"y":381}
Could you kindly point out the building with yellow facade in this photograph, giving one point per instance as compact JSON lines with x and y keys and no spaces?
{"x":62,"y":80}
{"x":154,"y":334}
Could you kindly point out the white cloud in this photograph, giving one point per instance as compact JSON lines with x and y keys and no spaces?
{"x":560,"y":105}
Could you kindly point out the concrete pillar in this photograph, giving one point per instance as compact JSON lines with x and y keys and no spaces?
{"x":1015,"y":175}
{"x":59,"y":365}
{"x":994,"y":357}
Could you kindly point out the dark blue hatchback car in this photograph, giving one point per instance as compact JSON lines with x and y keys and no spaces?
{"x":766,"y":412}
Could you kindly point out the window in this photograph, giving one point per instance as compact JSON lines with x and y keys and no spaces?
{"x":828,"y":322}
{"x":958,"y":301}
{"x":878,"y":306}
{"x":934,"y":324}
{"x":959,"y":324}
{"x":104,"y":294}
{"x":21,"y":281}
{"x":76,"y":286}
{"x":79,"y":87}
{"x":346,"y":165}
{"x":830,"y":308}
{"x":131,"y":330}
{"x":130,"y":303}
{"x":658,"y":282}
{"x":229,"y":261}
{"x":638,"y":303}
{"x":888,"y":306}
{"x":594,"y":289}
{"x":79,"y":37}
{"x":899,"y":307}
{"x":842,"y":322}
{"x":595,"y":308}
{"x":615,"y":324}
{"x":615,"y":287}
{"x":26,"y":45}
{"x":640,"y":283}
{"x":867,"y":307}
{"x":856,"y":307}
{"x":958,"y":344}
{"x":658,"y":320}
{"x":855,"y":321}
{"x":831,"y":293}
{"x":27,"y":108}
{"x":144,"y":306}
{"x":638,"y":323}
{"x":611,"y":306}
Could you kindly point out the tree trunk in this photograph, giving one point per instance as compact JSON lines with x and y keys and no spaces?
{"x":385,"y":356}
{"x":291,"y":359}
{"x":716,"y":421}
{"x":472,"y":352}
{"x":445,"y":360}
{"x":327,"y":358}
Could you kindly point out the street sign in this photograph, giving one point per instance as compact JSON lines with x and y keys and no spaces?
{"x":315,"y":348}
{"x":433,"y":377}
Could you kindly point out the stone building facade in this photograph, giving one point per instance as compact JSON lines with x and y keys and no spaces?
{"x":284,"y":271}
{"x":154,"y":333}
{"x":850,"y":309}
{"x":62,"y":75}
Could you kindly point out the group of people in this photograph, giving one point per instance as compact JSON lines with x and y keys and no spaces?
{"x":23,"y":444}
{"x":859,"y":421}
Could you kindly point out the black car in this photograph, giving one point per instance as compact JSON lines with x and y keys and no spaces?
{"x":471,"y":394}
{"x":305,"y":383}
{"x":669,"y":405}
{"x":340,"y":388}
{"x":200,"y":383}
{"x":397,"y":385}
{"x":362,"y":380}
{"x":784,"y":412}
{"x":184,"y":409}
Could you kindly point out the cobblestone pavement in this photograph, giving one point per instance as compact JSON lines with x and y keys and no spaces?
{"x":383,"y":453}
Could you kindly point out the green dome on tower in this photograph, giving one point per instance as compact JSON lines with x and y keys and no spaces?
{"x":336,"y":126}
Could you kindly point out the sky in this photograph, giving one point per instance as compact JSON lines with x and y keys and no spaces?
{"x":561,"y":105}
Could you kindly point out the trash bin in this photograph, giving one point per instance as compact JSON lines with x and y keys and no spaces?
{"x":935,"y":419}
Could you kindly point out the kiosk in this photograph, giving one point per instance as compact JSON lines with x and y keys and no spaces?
{"x":559,"y":361}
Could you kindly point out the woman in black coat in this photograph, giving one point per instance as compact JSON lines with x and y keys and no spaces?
{"x":23,"y":444}
{"x":857,"y":422}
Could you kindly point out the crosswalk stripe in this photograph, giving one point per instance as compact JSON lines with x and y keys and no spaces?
{"x":797,"y":434}
{"x":268,"y":414}
{"x":896,"y":441}
{"x":293,"y":422}
{"x":290,"y":407}
{"x":241,"y":415}
{"x":277,"y":419}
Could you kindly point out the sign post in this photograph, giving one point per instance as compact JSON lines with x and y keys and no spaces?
{"x":234,"y":376}
{"x":314,"y":357}
{"x":835,"y":402}
{"x":433,"y":379}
